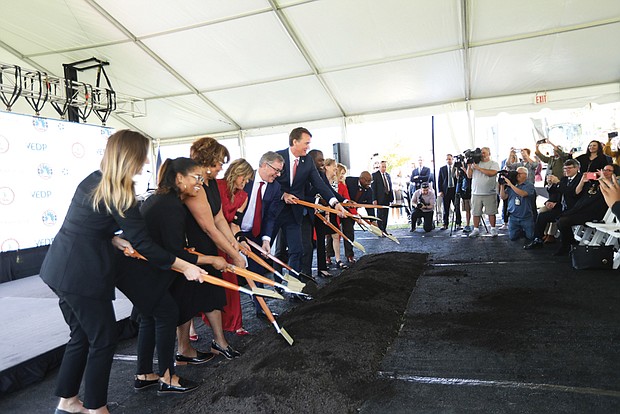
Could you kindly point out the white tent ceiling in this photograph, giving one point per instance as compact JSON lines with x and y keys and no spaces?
{"x":213,"y":66}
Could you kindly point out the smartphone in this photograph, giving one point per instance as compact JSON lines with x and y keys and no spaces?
{"x":591,"y":176}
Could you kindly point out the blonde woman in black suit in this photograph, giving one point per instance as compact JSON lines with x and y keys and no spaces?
{"x":79,"y":269}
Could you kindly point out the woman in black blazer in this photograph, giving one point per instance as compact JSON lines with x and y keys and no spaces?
{"x":147,"y":286}
{"x":79,"y":268}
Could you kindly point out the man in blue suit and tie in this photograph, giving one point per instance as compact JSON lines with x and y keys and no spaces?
{"x":299,"y":170}
{"x":264,"y":205}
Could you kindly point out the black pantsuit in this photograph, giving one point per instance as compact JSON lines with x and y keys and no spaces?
{"x":90,"y":350}
{"x":79,"y":267}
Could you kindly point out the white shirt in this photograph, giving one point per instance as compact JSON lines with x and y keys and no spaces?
{"x":248,"y":218}
{"x":292,"y":165}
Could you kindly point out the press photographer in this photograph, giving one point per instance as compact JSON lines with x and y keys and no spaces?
{"x":517,"y":191}
{"x":483,"y":186}
{"x":423,"y":206}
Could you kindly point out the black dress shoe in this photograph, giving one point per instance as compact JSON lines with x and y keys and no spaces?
{"x":228,"y":353}
{"x":262,"y":315}
{"x":200,"y":358}
{"x":184,"y":386}
{"x":535,"y":244}
{"x":139,"y":384}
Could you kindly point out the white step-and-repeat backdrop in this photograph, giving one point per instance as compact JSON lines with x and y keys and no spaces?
{"x":41,"y":163}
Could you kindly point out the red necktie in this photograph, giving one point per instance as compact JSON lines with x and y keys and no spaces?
{"x":295,"y":167}
{"x":258,"y":211}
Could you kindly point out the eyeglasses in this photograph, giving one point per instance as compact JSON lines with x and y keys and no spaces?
{"x":277,"y":170}
{"x":199,"y":178}
{"x":569,"y":167}
{"x":608,"y":170}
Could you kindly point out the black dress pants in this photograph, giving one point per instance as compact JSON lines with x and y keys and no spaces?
{"x":383,"y":214}
{"x":543,"y":219}
{"x":158,"y":327}
{"x":90,"y":350}
{"x":449,"y":197}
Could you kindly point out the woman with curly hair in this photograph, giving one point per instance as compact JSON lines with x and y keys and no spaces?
{"x":207,"y":231}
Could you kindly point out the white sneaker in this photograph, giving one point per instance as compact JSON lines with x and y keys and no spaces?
{"x":474,"y":233}
{"x":493,"y":232}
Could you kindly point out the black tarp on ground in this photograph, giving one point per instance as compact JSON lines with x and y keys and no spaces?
{"x":488,"y":328}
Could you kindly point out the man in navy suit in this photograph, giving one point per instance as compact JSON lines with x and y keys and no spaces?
{"x":447,"y":190}
{"x":420,"y":174}
{"x":382,"y":191}
{"x":269,"y":168}
{"x":299,"y":170}
{"x":265,"y":187}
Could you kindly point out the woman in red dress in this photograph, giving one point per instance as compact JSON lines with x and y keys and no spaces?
{"x":234,"y":203}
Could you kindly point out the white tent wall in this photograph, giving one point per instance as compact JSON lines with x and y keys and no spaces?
{"x":215,"y":66}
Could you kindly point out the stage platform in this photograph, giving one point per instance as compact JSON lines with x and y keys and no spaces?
{"x":34,"y":332}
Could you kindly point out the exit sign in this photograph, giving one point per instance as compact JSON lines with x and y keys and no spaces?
{"x":541,"y":98}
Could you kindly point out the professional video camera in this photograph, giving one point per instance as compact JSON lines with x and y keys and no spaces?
{"x":473,"y":156}
{"x":503,"y":174}
{"x":459,"y":161}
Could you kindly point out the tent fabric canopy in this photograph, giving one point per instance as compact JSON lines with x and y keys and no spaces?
{"x":216,"y":66}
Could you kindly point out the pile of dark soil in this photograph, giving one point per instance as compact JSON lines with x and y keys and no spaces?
{"x":340,"y":339}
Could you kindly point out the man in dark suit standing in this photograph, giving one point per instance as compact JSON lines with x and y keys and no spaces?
{"x":264,"y":205}
{"x":419,"y":175}
{"x":261,"y":229}
{"x":382,"y":191}
{"x":299,"y":170}
{"x":447,"y":190}
{"x":360,"y":192}
{"x":562,"y":197}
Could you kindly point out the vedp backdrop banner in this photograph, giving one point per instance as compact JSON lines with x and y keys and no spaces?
{"x":41,"y":163}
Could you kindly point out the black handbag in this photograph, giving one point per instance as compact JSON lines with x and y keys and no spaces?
{"x":592,"y":257}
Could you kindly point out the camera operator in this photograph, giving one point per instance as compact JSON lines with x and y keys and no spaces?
{"x":463,"y":192}
{"x":518,"y":196}
{"x":484,"y":190}
{"x":423,"y":206}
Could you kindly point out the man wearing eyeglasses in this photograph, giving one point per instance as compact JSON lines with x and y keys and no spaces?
{"x":562,"y":197}
{"x":264,"y":205}
{"x":518,"y":196}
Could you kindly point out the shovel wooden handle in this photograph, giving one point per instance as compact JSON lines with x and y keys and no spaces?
{"x":203,"y":278}
{"x":356,"y":205}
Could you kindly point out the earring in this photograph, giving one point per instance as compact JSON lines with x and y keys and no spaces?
{"x":208,"y":171}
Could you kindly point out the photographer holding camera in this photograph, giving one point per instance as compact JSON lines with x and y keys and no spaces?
{"x":423,"y":206}
{"x":484,"y":189}
{"x":555,"y":162}
{"x":518,"y":195}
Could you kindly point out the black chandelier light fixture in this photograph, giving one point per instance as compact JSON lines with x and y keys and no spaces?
{"x":70,"y":98}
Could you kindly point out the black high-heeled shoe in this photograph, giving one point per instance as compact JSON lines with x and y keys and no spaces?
{"x":228,"y":353}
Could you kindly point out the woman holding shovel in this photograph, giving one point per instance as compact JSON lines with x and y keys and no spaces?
{"x":79,"y":269}
{"x":147,"y":286}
